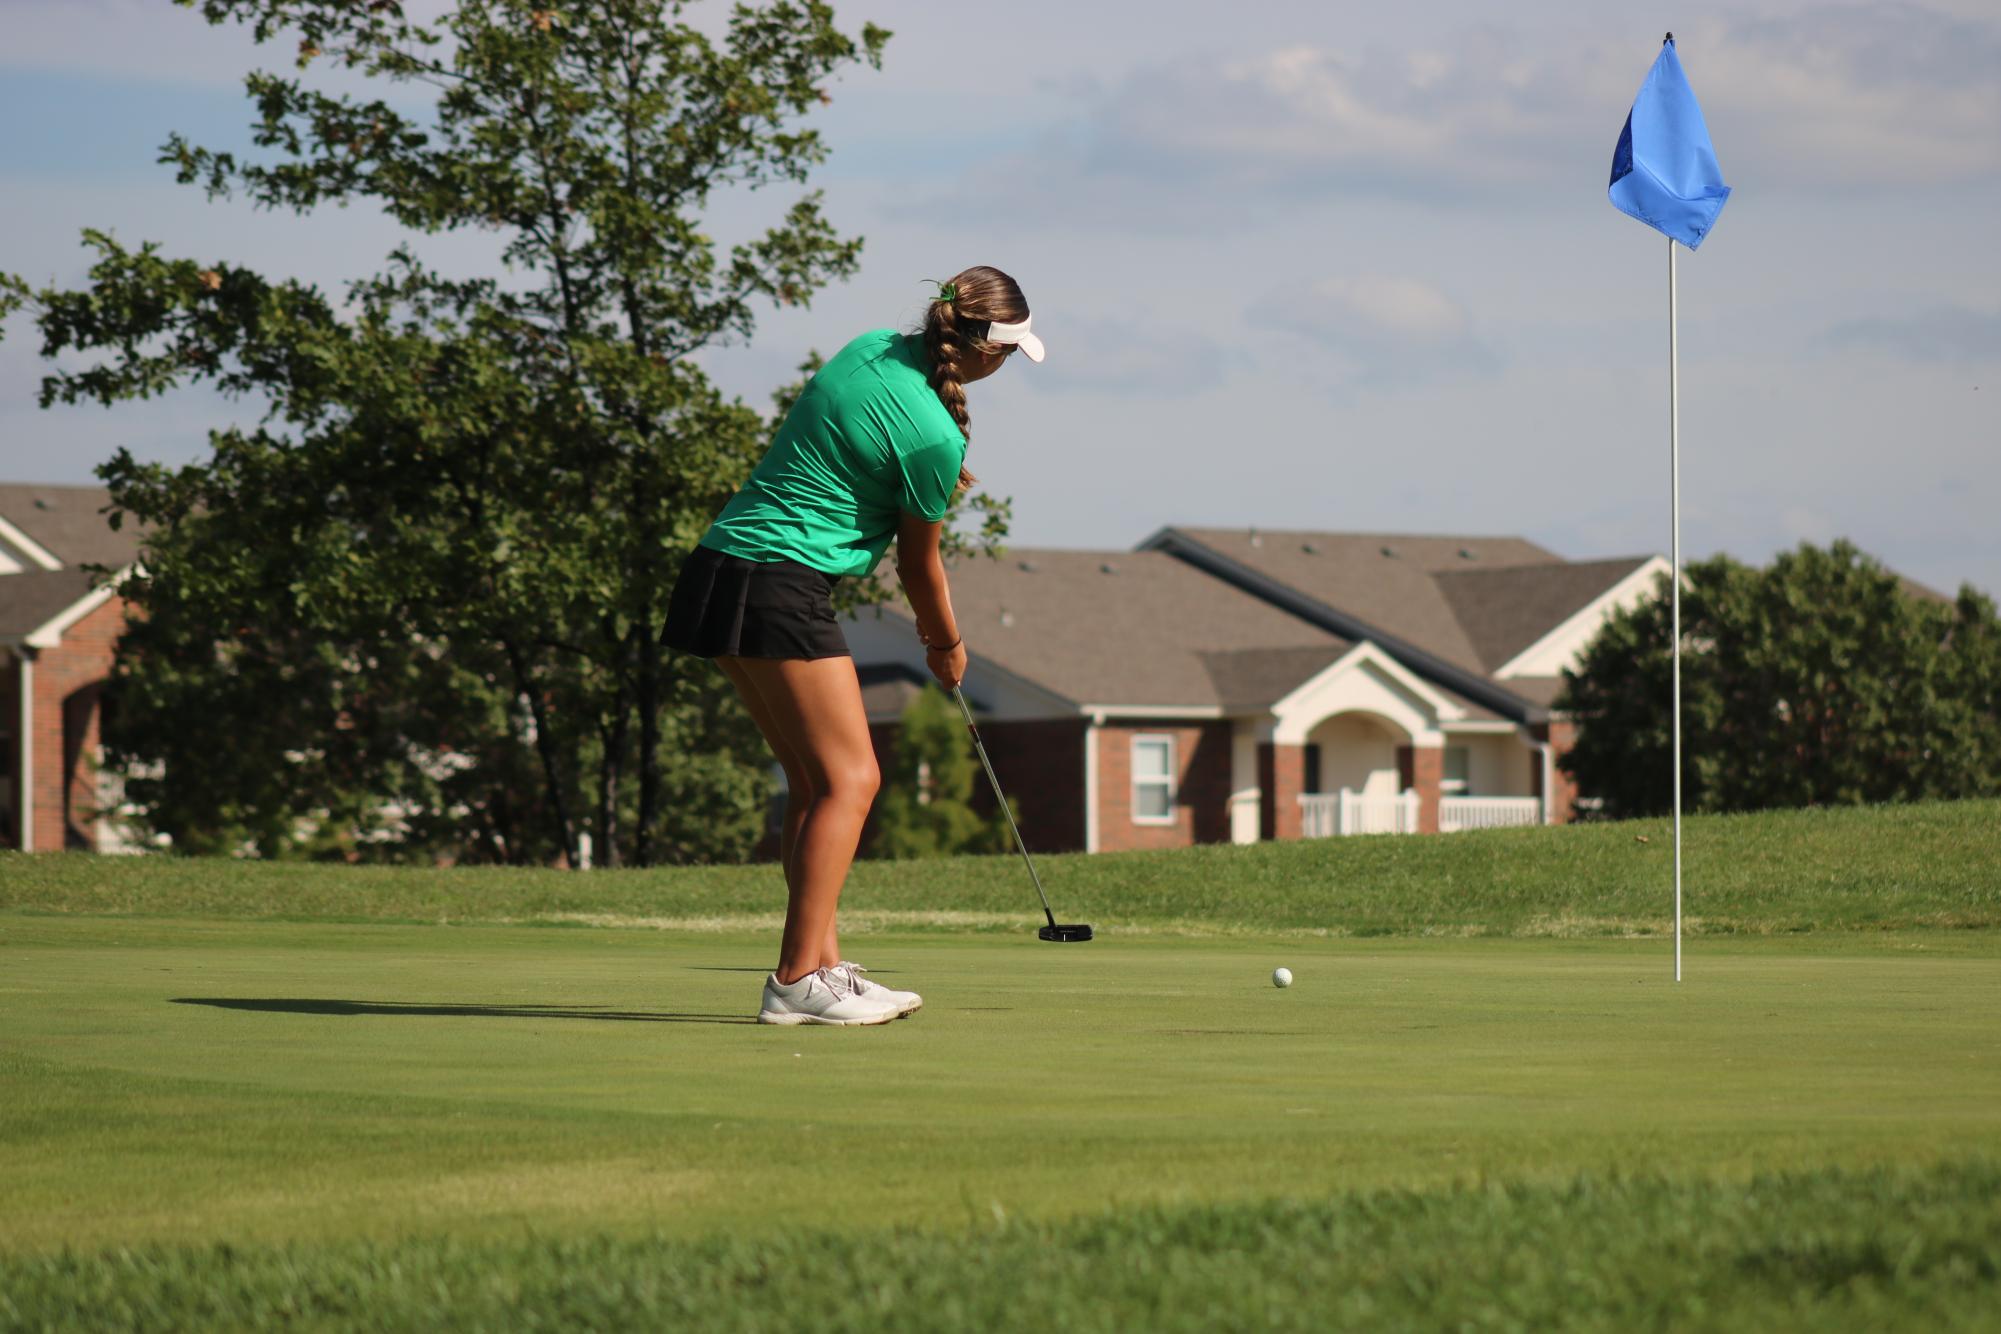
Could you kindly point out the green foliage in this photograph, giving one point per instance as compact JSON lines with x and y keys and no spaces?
{"x":925,"y":809}
{"x":415,"y":611}
{"x":1820,"y":679}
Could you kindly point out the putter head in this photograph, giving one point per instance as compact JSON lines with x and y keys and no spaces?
{"x":1067,"y":932}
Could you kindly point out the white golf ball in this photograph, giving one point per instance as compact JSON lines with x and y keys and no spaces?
{"x":1281,"y":977}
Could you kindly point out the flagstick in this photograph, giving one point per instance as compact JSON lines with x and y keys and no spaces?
{"x":1674,"y":508}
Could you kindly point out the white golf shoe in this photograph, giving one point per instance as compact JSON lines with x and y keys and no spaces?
{"x":824,"y":996}
{"x":906,"y":1002}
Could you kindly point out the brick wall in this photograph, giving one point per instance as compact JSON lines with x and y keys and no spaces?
{"x":1040,"y":764}
{"x":10,"y":750}
{"x":1561,"y":736}
{"x":1201,"y":782}
{"x":68,"y":685}
{"x":1422,"y":768}
{"x":1282,"y":778}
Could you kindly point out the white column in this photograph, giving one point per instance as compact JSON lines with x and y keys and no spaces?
{"x":1245,"y":794}
{"x":25,"y":782}
{"x":1548,"y":757}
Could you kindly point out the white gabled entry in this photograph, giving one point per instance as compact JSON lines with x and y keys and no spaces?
{"x":1364,"y":680}
{"x":1358,"y":711}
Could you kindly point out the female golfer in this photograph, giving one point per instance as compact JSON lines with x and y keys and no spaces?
{"x":874,"y":449}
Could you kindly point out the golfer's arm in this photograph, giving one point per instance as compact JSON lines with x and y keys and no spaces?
{"x":922,"y":572}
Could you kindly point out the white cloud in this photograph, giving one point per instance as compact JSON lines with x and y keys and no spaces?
{"x":1944,"y":334}
{"x":1860,"y":95}
{"x":1872,"y":97}
{"x":1380,"y":329}
{"x":1137,"y":356}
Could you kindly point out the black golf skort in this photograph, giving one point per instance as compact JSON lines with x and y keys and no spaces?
{"x":726,"y":606}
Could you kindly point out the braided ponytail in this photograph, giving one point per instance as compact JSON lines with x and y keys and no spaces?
{"x":980,"y":296}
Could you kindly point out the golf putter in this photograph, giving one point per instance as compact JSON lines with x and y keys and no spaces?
{"x":1068,"y":931}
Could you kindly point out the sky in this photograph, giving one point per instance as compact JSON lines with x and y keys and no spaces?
{"x":1297,"y":265}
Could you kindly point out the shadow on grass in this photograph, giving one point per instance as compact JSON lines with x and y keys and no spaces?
{"x":304,"y":1006}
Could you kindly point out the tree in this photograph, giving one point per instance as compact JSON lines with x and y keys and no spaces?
{"x":453,"y":533}
{"x":1820,"y":679}
{"x":925,"y":809}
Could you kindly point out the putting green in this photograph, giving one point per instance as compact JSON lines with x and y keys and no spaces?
{"x":185,"y":1081}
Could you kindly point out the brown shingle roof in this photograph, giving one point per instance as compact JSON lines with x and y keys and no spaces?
{"x":31,"y":599}
{"x":1382,"y":579}
{"x":1540,"y":691}
{"x":1503,"y":611}
{"x":1255,"y":677}
{"x":69,"y":522}
{"x":1142,"y":634}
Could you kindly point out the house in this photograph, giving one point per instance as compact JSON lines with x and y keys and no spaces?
{"x":58,"y":628}
{"x":1235,"y":685}
{"x":1210,"y":685}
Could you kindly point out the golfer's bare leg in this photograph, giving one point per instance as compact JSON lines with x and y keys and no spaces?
{"x":798,"y":790}
{"x":816,"y":707}
{"x":798,"y":786}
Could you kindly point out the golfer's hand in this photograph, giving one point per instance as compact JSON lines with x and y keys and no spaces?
{"x":948,"y":665}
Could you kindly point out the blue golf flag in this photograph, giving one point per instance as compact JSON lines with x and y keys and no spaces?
{"x":1664,"y":171}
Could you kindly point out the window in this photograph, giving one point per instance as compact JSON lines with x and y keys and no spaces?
{"x":1312,"y":783}
{"x":1153,"y":779}
{"x":1457,"y":771}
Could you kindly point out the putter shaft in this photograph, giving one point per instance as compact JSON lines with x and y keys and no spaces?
{"x":987,"y":764}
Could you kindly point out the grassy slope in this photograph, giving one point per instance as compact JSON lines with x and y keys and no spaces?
{"x":407,"y":1127}
{"x":1829,"y":1250}
{"x":269,"y":1082}
{"x":1843,"y":869}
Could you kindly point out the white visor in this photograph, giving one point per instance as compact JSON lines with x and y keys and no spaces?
{"x":1016,"y":333}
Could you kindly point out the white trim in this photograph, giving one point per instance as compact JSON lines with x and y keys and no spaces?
{"x":1559,"y":646}
{"x":1132,"y":773}
{"x":1152,"y":710}
{"x":1091,"y":840}
{"x":1367,"y":652}
{"x":28,"y":546}
{"x":1480,"y":727}
{"x":8,"y":565}
{"x":24,"y":806}
{"x":50,"y":633}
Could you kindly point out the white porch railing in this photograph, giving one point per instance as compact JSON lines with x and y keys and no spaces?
{"x":1455,"y":813}
{"x":1331,"y":814}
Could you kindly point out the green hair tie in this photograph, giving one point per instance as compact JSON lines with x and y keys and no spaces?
{"x":946,"y":291}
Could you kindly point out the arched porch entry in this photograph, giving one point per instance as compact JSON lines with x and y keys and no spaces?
{"x":1363,"y":724}
{"x":1356,"y":779}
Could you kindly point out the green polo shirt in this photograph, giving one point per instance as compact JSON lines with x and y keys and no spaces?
{"x":867,"y":440}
